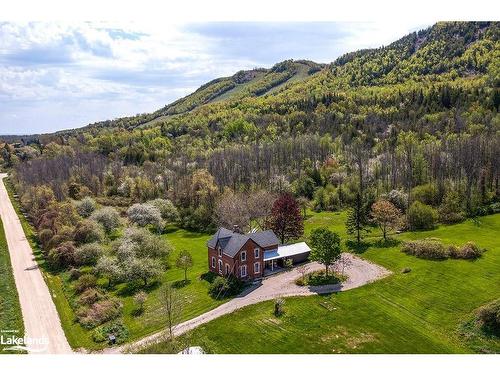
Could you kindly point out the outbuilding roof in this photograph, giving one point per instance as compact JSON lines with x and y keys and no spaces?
{"x":285,"y":251}
{"x":231,"y":242}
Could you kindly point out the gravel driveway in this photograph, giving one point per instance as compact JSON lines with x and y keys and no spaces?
{"x":41,"y":321}
{"x":358,"y":271}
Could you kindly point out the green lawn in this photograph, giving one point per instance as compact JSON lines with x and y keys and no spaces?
{"x":10,"y":311}
{"x":422,"y":311}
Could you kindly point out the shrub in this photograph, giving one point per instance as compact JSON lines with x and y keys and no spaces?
{"x":90,"y":296}
{"x":62,"y":256}
{"x":74,"y":273}
{"x":421,"y":216}
{"x":224,"y":287}
{"x":140,"y":299}
{"x":99,"y":313}
{"x":469,"y":251}
{"x":489,"y":316}
{"x":117,"y":329}
{"x":427,"y":249}
{"x":398,"y":198}
{"x":88,"y":254}
{"x":450,"y":210}
{"x":288,"y":263}
{"x":317,"y":278}
{"x":108,"y":217}
{"x":44,"y":236}
{"x":85,"y":282}
{"x":87,"y":231}
{"x":427,"y":194}
{"x":144,"y":214}
{"x":279,"y":304}
{"x":86,"y":207}
{"x":167,"y":209}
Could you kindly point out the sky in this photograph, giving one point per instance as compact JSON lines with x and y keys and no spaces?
{"x":56,"y":75}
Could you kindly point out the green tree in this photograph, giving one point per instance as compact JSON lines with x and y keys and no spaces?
{"x":325,"y":247}
{"x":184,"y":261}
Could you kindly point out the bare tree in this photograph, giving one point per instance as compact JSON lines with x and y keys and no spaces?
{"x":173,"y":307}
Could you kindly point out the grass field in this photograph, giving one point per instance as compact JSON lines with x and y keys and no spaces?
{"x":422,"y":311}
{"x":11,"y":318}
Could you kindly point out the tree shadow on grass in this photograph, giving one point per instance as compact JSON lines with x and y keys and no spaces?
{"x":357,"y":248}
{"x":208,"y":276}
{"x":180,"y":283}
{"x":138,"y":311}
{"x":132,"y":288}
{"x":390,"y":242}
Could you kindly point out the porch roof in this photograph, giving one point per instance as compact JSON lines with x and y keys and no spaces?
{"x":286,"y":251}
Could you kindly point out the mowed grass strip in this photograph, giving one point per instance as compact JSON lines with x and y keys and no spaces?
{"x":416,"y":312}
{"x":11,"y":318}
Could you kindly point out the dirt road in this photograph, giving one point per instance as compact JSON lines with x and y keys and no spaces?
{"x":358,"y":271}
{"x":41,"y":321}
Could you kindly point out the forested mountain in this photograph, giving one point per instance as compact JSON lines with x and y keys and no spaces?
{"x":420,"y":113}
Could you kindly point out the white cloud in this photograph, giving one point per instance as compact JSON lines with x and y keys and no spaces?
{"x":49,"y":70}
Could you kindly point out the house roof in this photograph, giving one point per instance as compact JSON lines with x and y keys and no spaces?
{"x":287,"y":251}
{"x":231,"y":242}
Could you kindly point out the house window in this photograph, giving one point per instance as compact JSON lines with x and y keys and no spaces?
{"x":243,"y":271}
{"x":227,"y":269}
{"x":220,"y":266}
{"x":256,"y":253}
{"x":256,"y":267}
{"x":220,"y":251}
{"x":213,"y":262}
{"x":243,"y":256}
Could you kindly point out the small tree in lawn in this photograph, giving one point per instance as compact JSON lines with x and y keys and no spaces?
{"x":386,"y":215}
{"x":356,"y":219}
{"x":172,"y":306}
{"x":184,"y":261}
{"x":140,"y":299}
{"x":325,"y":247}
{"x":285,"y":219}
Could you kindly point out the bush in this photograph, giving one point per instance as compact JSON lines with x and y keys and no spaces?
{"x":86,"y":207}
{"x":450,"y":210}
{"x":317,"y":278}
{"x":144,"y":214}
{"x":87,"y":231}
{"x":116,"y":329}
{"x":427,"y":194}
{"x":468,"y":251}
{"x":398,"y":198}
{"x":74,"y":273}
{"x":88,"y":254}
{"x":421,"y":216}
{"x":288,"y":263}
{"x":427,"y":249}
{"x":108,"y":217}
{"x":489,"y":316}
{"x":279,"y":304}
{"x":62,"y":256}
{"x":167,"y":209}
{"x":85,"y":282}
{"x":223,"y":287}
{"x":44,"y":236}
{"x":90,"y":296}
{"x":99,"y":313}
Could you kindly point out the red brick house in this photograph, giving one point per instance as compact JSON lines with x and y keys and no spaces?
{"x":249,"y":256}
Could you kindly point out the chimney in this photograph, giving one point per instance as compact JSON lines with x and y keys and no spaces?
{"x":236,"y":228}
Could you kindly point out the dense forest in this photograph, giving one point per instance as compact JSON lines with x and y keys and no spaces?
{"x":415,"y":122}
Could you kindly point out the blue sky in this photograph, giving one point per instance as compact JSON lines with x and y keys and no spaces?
{"x":58,"y":75}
